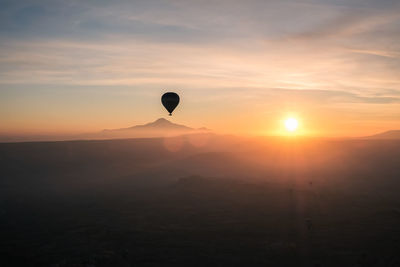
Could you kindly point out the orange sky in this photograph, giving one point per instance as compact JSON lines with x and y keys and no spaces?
{"x":239,"y":66}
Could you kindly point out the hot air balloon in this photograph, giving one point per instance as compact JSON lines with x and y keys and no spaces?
{"x":170,"y":100}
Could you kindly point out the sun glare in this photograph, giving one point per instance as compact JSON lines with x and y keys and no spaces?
{"x":291,"y":124}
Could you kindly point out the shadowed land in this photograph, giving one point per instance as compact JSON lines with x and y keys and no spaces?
{"x":200,"y":199}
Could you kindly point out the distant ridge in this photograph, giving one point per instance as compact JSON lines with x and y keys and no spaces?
{"x":158,"y":128}
{"x":160,"y":123}
{"x":392,"y":134}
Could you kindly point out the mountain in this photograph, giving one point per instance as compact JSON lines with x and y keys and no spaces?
{"x":156,"y":125}
{"x":159,"y":128}
{"x":393,"y":134}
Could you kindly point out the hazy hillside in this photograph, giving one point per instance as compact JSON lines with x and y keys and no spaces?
{"x":393,"y":134}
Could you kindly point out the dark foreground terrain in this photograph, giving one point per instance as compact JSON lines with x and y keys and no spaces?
{"x":200,"y":200}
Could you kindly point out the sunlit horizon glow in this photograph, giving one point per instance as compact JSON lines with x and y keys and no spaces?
{"x":77,"y":67}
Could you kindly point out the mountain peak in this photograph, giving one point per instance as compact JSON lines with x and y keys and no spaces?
{"x":160,"y":121}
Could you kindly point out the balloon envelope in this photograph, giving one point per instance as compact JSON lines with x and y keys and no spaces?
{"x":170,"y":100}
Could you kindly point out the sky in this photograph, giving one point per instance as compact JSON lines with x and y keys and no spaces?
{"x":239,"y":67}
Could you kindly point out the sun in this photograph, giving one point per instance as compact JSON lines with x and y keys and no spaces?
{"x":291,"y":124}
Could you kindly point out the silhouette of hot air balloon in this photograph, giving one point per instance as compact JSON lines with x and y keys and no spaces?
{"x":170,"y":100}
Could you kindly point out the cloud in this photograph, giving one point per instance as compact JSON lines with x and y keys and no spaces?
{"x":310,"y":51}
{"x":132,"y":62}
{"x":332,"y":97}
{"x":381,"y":53}
{"x":347,"y":25}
